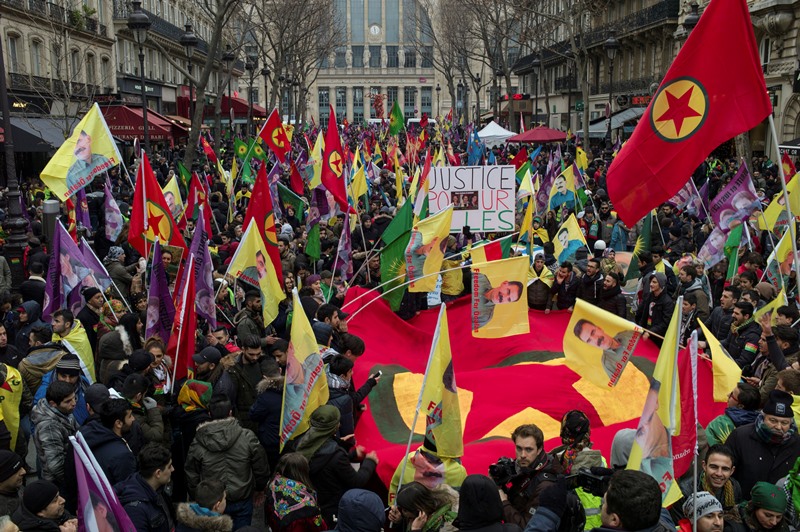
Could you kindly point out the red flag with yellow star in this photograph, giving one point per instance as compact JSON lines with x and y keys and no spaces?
{"x":260,"y":209}
{"x":274,"y":135}
{"x":150,"y":217}
{"x":333,"y":165}
{"x":695,"y":109}
{"x":198,"y":196}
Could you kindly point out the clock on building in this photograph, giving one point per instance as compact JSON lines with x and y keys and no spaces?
{"x":375,"y":30}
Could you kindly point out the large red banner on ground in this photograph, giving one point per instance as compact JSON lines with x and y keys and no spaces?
{"x":502,"y":383}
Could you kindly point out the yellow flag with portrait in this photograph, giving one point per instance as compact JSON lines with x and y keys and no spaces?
{"x":425,"y":250}
{"x":599,"y":344}
{"x":88,"y":152}
{"x":252,"y":265}
{"x":569,"y":239}
{"x":172,"y":194}
{"x":500,"y":298}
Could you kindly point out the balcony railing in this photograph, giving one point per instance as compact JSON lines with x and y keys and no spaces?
{"x":40,"y":84}
{"x":631,"y":85}
{"x":38,"y":6}
{"x":20,"y":81}
{"x":57,"y":12}
{"x":566,"y":83}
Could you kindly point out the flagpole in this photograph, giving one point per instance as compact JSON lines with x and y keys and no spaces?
{"x":419,"y":399}
{"x":190,"y":266}
{"x":693,"y":354}
{"x":792,"y":221}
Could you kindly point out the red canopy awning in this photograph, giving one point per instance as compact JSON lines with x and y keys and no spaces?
{"x":127,"y":123}
{"x":179,"y":131}
{"x":240,"y":106}
{"x":539,"y":134}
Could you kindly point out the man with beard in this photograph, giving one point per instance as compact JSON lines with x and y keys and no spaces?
{"x":8,"y":353}
{"x":89,"y":315}
{"x":12,"y":476}
{"x":42,"y":509}
{"x":106,"y":438}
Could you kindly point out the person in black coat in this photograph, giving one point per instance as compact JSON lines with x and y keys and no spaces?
{"x":331,"y":472}
{"x":142,"y":494}
{"x":590,"y":286}
{"x":742,"y":342}
{"x":655,"y":312}
{"x":42,"y":509}
{"x":190,"y":413}
{"x":105,"y":437}
{"x":32,"y":288}
{"x":266,"y":411}
{"x":480,"y":508}
{"x":611,"y":298}
{"x":89,"y":315}
{"x":565,"y":287}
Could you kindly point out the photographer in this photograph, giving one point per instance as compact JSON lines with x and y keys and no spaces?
{"x":521,"y":481}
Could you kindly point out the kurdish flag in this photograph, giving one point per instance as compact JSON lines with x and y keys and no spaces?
{"x":726,"y":371}
{"x":396,"y":119}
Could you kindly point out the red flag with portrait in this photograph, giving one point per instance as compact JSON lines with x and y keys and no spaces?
{"x":260,"y":208}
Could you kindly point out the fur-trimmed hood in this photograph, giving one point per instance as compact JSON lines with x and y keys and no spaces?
{"x":187,"y":516}
{"x":269,"y":383}
{"x":125,"y":338}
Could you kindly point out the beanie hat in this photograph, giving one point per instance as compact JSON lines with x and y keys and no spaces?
{"x":574,"y":425}
{"x":779,"y":404}
{"x":89,"y":292}
{"x":311,"y":279}
{"x":114,"y":253}
{"x":322,"y":332}
{"x":704,"y":503}
{"x":769,"y":497}
{"x":140,"y":360}
{"x":10,"y":463}
{"x":38,"y":495}
{"x":661,"y":279}
{"x":69,"y":365}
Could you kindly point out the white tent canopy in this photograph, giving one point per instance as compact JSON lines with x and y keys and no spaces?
{"x":494,"y":134}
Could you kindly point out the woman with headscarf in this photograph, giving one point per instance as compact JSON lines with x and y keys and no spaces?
{"x":291,"y":499}
{"x":331,"y":472}
{"x":480,"y":508}
{"x":193,"y":399}
{"x":121,"y":275}
{"x":422,"y":509}
{"x":763,"y":513}
{"x":112,"y":311}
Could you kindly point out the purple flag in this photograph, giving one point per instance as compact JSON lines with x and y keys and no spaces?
{"x":735,"y":202}
{"x":203,"y":279}
{"x":67,"y":273}
{"x":82,"y":210}
{"x":272,"y":178}
{"x":160,"y":308}
{"x":344,"y":250}
{"x":101,"y":277}
{"x":114,"y":219}
{"x":98,"y":505}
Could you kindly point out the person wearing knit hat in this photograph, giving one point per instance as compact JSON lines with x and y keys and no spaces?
{"x":708,"y":510}
{"x":12,"y":476}
{"x":68,"y":369}
{"x":89,"y":315}
{"x":331,"y":472}
{"x":766,"y":450}
{"x":655,"y":311}
{"x":764,"y":511}
{"x":42,"y":509}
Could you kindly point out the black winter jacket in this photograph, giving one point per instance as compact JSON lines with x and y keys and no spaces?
{"x":111,"y":451}
{"x":756,"y":460}
{"x":148,"y":510}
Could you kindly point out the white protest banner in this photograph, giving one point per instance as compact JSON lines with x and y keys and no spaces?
{"x":482,"y":196}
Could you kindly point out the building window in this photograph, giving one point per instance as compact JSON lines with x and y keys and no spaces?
{"x":358,"y":105}
{"x":55,"y":61}
{"x":358,"y":56}
{"x":357,"y":21}
{"x":75,"y":65}
{"x":324,"y":102}
{"x":340,"y":17}
{"x":411,"y":58}
{"x":91,"y":75}
{"x":391,"y":52}
{"x":393,"y":21}
{"x":36,"y":58}
{"x":108,"y":75}
{"x":409,"y":21}
{"x":391,"y":97}
{"x":426,"y":101}
{"x":765,"y":51}
{"x":409,"y":101}
{"x":341,"y":102}
{"x":13,"y":53}
{"x":374,"y":56}
{"x":374,"y":91}
{"x":375,"y":12}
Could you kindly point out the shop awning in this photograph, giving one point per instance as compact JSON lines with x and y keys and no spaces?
{"x":27,"y":139}
{"x":178,"y":130}
{"x":620,"y":119}
{"x":127,"y":123}
{"x":180,"y":120}
{"x":240,"y":106}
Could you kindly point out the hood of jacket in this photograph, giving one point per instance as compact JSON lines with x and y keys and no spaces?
{"x":25,"y":520}
{"x":479,"y":503}
{"x":97,"y":435}
{"x":361,"y":511}
{"x":267,"y":384}
{"x":125,"y":338}
{"x":740,"y":416}
{"x":33,"y":309}
{"x":134,"y":488}
{"x":43,"y":411}
{"x":218,"y":435}
{"x":212,"y":523}
{"x":694,"y":285}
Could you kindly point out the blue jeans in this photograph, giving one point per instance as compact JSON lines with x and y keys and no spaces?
{"x":241,"y":512}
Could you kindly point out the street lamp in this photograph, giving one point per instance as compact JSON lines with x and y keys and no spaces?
{"x":286,"y":90}
{"x":228,"y":58}
{"x":611,"y":46}
{"x":139,"y":23}
{"x":496,"y":96}
{"x":265,"y":73}
{"x":189,"y":41}
{"x":438,"y":102}
{"x":250,"y":66}
{"x":536,"y":65}
{"x":570,"y":57}
{"x":15,"y":225}
{"x":296,"y":89}
{"x":692,"y":18}
{"x":460,"y":97}
{"x":477,"y":80}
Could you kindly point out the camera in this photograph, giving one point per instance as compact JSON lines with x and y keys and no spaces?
{"x":503,"y":471}
{"x":594,"y":480}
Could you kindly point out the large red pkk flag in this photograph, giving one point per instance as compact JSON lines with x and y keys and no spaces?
{"x":502,"y":383}
{"x":260,"y":208}
{"x":151,"y":217}
{"x":184,"y":328}
{"x":333,"y":165}
{"x":713,"y":91}
{"x":274,"y":135}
